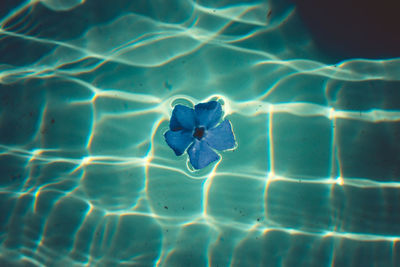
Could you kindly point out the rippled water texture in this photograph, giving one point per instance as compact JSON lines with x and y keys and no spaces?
{"x":86,"y":92}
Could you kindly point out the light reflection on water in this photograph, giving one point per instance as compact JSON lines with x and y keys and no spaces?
{"x":87,"y":89}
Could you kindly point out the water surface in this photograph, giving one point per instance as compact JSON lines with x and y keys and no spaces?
{"x":86,"y":92}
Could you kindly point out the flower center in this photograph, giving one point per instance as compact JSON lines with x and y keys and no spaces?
{"x":198,"y":132}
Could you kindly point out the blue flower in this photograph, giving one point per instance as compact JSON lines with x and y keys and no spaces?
{"x":199,"y":130}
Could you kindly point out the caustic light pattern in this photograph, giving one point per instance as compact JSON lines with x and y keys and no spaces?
{"x":199,"y":130}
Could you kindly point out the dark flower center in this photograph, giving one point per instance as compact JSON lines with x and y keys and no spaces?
{"x":198,"y":132}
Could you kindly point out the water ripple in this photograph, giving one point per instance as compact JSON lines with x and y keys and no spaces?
{"x":87,"y":179}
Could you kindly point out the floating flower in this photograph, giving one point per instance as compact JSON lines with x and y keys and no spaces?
{"x":199,"y":130}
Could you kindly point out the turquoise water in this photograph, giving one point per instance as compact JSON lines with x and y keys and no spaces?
{"x":86,"y":92}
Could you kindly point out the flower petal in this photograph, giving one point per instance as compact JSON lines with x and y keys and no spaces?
{"x":182,"y":118}
{"x":178,"y":140}
{"x":221,"y":137}
{"x":208,"y":114}
{"x":201,"y":155}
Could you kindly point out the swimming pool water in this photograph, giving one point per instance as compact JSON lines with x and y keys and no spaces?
{"x":86,"y":178}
